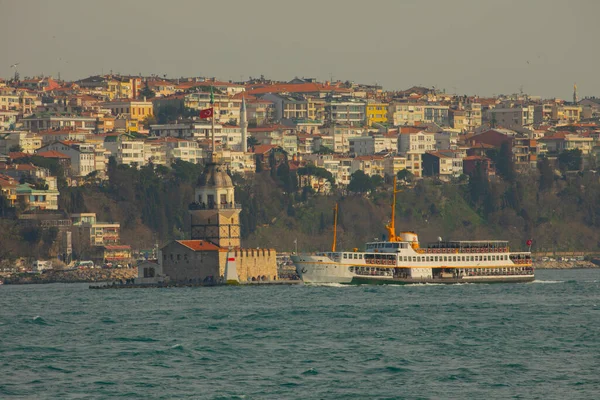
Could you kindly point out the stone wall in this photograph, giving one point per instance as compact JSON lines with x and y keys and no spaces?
{"x":252,"y":263}
{"x":181,"y":264}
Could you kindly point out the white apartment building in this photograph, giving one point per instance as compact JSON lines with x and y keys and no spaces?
{"x":512,"y":117}
{"x":126,"y":150}
{"x":184,"y":150}
{"x":29,"y":142}
{"x":346,"y":112}
{"x":367,"y":145}
{"x":370,"y":165}
{"x":82,"y":155}
{"x":417,"y":143}
{"x":225,"y":108}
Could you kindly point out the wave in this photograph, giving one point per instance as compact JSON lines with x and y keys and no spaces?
{"x":311,"y":371}
{"x":541,"y":281}
{"x":39,"y":320}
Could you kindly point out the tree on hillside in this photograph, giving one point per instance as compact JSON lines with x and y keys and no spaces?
{"x":546,"y":174}
{"x":570,"y":160}
{"x":324,"y":150}
{"x":479,"y":186}
{"x":318,"y":172}
{"x":405,"y":175}
{"x":504,"y":163}
{"x":360,"y":183}
{"x":377,"y":181}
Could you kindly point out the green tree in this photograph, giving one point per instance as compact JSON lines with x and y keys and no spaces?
{"x":149,"y":120}
{"x":504,"y":163}
{"x":479,"y":186}
{"x":570,"y":160}
{"x":251,"y":141}
{"x":318,"y":172}
{"x":546,"y":174}
{"x":31,"y":235}
{"x":147,"y":92}
{"x":377,"y":181}
{"x":324,"y":150}
{"x":16,"y":148}
{"x":360,"y":183}
{"x":405,"y":175}
{"x":50,"y":235}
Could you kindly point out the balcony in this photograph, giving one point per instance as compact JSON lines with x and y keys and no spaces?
{"x":224,"y":206}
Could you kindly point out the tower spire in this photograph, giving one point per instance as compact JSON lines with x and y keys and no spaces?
{"x":575,"y":98}
{"x":244,"y":125}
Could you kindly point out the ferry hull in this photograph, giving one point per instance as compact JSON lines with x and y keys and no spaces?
{"x":321,"y":270}
{"x":367,"y":280}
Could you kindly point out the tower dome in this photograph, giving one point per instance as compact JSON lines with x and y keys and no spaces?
{"x":215,"y":176}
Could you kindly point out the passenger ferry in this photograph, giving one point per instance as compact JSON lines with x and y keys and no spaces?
{"x":402,"y":260}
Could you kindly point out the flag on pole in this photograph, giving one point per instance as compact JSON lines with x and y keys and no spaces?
{"x":207,"y":113}
{"x":529,"y":242}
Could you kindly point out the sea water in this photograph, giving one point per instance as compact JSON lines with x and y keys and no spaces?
{"x":473,"y":341}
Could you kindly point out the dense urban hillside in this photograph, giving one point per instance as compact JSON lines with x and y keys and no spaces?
{"x":559,"y":211}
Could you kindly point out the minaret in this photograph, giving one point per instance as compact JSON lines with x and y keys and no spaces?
{"x":215,"y":216}
{"x":244,"y":126}
{"x":575,"y":98}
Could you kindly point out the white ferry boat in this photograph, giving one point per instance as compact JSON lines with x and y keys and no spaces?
{"x":402,"y":260}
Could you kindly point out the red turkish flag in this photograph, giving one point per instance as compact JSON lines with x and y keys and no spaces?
{"x":529,"y":242}
{"x":206,"y":113}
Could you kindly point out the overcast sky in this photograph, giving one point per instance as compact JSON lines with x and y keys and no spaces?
{"x":467,"y":47}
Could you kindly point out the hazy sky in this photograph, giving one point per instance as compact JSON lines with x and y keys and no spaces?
{"x":471,"y":47}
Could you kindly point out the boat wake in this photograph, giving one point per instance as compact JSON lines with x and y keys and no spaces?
{"x":326,"y":284}
{"x":546,"y":282}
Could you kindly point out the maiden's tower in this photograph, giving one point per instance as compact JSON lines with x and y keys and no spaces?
{"x":215,"y":237}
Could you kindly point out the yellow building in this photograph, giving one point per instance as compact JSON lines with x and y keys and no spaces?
{"x":119,"y":89}
{"x":376,"y":113}
{"x":135,"y":109}
{"x":8,"y":189}
{"x":564,"y":113}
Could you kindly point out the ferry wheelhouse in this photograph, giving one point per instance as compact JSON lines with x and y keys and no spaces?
{"x":402,"y":260}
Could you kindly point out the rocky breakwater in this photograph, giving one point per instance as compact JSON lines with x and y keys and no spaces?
{"x":74,"y":276}
{"x":555,"y":264}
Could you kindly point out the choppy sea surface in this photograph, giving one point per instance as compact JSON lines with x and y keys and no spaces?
{"x":539,"y":340}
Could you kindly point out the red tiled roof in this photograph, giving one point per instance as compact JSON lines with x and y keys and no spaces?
{"x":409,"y":129}
{"x":52,"y":154}
{"x":199,"y":245}
{"x":14,"y":155}
{"x":17,"y":167}
{"x":471,"y":158}
{"x":556,"y":136}
{"x":295,"y":88}
{"x":263,"y":148}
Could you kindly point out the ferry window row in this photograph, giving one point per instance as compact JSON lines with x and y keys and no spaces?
{"x":357,"y":256}
{"x":453,"y":258}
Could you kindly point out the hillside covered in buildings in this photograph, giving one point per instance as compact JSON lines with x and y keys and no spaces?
{"x":104,"y":168}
